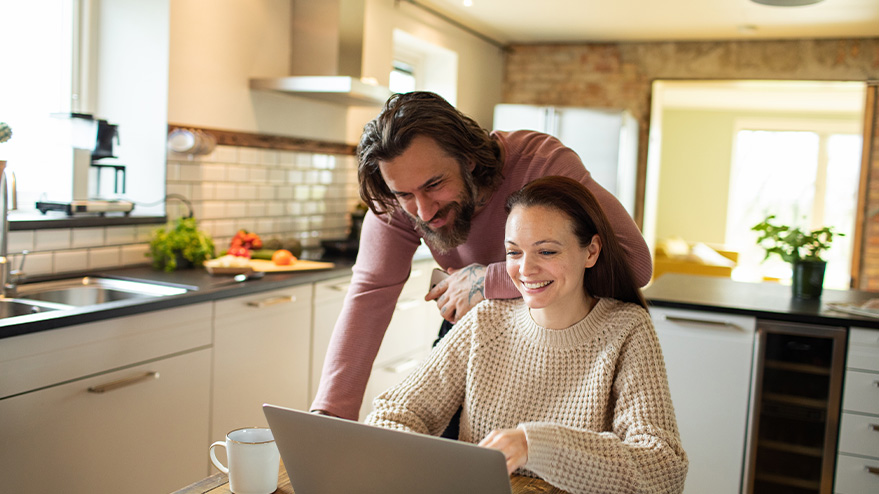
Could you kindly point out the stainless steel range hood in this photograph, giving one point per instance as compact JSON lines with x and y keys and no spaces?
{"x":326,"y":56}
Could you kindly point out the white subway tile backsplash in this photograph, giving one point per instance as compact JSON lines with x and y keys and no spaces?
{"x":236,"y":173}
{"x":276,"y":176}
{"x":143,"y":233}
{"x":118,"y":235}
{"x":225,"y":154}
{"x":287,"y":158}
{"x":104,"y":257}
{"x":296,"y":177}
{"x":52,"y":239}
{"x":249,"y":156}
{"x":302,"y":193}
{"x":214,"y":171}
{"x":246,"y":191}
{"x":134,"y":254}
{"x":36,"y":264}
{"x":225,"y":191}
{"x":270,"y":157}
{"x":259,"y":174}
{"x":191,"y":172}
{"x":87,"y":237}
{"x":71,"y":260}
{"x":20,"y":240}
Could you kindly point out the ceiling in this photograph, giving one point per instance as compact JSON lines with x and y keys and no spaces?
{"x":543,"y":21}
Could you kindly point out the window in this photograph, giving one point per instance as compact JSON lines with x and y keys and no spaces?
{"x":402,"y":77}
{"x":806,"y":178}
{"x":37,"y":83}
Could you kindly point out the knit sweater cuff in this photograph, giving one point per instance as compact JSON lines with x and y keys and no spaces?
{"x":541,"y":450}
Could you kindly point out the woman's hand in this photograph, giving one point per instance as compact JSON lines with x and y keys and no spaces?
{"x":512,"y":443}
{"x":460,"y":292}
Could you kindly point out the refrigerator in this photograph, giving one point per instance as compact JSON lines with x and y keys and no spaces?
{"x":606,"y":140}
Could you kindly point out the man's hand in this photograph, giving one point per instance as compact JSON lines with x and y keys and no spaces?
{"x":512,"y":443}
{"x":460,"y":292}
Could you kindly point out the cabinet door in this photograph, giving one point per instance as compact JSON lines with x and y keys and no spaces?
{"x":329,"y":297}
{"x":409,"y":338}
{"x":708,"y":357}
{"x":262,"y":344}
{"x":145,"y":437}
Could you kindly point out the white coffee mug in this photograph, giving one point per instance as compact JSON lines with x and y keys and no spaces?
{"x":253,"y":460}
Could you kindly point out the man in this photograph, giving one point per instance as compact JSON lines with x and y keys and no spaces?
{"x":428,"y":171}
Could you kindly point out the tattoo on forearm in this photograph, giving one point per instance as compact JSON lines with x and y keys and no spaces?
{"x":476,"y":275}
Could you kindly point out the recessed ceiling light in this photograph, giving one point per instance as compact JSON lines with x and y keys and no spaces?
{"x":468,"y":3}
{"x":786,"y":3}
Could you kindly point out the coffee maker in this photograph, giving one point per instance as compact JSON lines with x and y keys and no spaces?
{"x":93,"y":156}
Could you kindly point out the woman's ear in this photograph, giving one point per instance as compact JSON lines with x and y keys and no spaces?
{"x":593,"y":250}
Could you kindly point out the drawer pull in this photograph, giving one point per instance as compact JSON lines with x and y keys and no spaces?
{"x":125,"y":381}
{"x":873,"y":427}
{"x":873,"y":470}
{"x":259,"y":304}
{"x":691,"y":320}
{"x":341,"y":287}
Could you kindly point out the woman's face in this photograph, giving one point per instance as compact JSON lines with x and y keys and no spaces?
{"x":546,"y":263}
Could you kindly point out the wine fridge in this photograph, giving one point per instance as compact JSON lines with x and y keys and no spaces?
{"x":795,"y":401}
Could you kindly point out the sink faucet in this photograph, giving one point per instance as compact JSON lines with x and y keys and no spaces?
{"x":8,"y":277}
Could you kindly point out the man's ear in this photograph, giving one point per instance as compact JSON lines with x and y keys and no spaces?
{"x":593,"y":249}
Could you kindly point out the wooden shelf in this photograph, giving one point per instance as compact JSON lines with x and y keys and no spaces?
{"x":794,"y":367}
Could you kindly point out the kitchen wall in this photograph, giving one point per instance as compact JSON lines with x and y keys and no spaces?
{"x":696,"y":150}
{"x":620,"y":75}
{"x":216,"y":46}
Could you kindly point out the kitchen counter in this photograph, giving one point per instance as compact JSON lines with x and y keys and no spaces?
{"x":202,"y":286}
{"x":763,"y":300}
{"x":769,"y":301}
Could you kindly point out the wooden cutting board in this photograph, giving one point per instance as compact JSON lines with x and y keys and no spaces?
{"x":301,"y":265}
{"x":268,"y":267}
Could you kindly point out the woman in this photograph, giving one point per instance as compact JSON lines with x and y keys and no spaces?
{"x":568,"y":381}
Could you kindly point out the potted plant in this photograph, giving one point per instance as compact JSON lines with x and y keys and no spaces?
{"x":180,"y":245}
{"x":802,"y":250}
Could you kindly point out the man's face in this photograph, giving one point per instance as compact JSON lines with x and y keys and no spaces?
{"x":429,"y":187}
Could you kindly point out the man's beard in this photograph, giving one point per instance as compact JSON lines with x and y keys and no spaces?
{"x":453,"y":234}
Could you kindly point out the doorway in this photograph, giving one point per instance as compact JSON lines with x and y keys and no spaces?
{"x":718,"y":155}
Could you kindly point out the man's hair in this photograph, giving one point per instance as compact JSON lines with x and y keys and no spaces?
{"x":611,"y":276}
{"x":420,"y":113}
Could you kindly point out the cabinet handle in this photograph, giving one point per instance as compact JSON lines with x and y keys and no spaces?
{"x":873,"y":427}
{"x":873,"y":470}
{"x":125,"y":381}
{"x":341,"y":287}
{"x":259,"y":304}
{"x":691,"y":320}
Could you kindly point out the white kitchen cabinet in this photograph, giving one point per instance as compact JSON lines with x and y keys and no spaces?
{"x":262,"y":347}
{"x":857,"y":464}
{"x":146,"y":432}
{"x":409,"y":338}
{"x":329,"y":297}
{"x":708,"y":357}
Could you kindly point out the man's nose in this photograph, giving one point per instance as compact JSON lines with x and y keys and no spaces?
{"x":427,"y":207}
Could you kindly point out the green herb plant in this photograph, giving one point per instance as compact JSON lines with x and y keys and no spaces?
{"x":792,"y":244}
{"x":180,"y":240}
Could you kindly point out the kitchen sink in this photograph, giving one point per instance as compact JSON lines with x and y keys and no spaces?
{"x":11,"y":307}
{"x":91,"y":290}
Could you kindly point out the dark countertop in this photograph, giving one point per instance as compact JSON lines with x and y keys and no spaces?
{"x":770,"y":301}
{"x":203,"y":288}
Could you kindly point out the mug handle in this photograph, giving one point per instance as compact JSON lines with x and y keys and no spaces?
{"x":214,"y":459}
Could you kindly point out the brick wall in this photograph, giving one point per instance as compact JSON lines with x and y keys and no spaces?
{"x":620,"y":75}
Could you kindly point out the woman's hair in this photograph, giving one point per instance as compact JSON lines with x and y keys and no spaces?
{"x":420,"y":113}
{"x":611,"y":276}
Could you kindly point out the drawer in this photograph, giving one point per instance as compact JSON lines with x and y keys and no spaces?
{"x":859,"y":434}
{"x":861,"y":392}
{"x":853,"y":475}
{"x":863,"y":349}
{"x":46,"y":358}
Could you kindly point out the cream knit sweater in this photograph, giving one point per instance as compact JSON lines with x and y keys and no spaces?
{"x":593,"y":399}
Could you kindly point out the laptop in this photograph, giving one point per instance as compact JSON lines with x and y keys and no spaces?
{"x":328,"y":455}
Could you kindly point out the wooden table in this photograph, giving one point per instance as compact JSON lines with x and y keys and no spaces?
{"x":219,"y":484}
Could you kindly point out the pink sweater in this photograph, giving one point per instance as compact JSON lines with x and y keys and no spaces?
{"x":385,"y":258}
